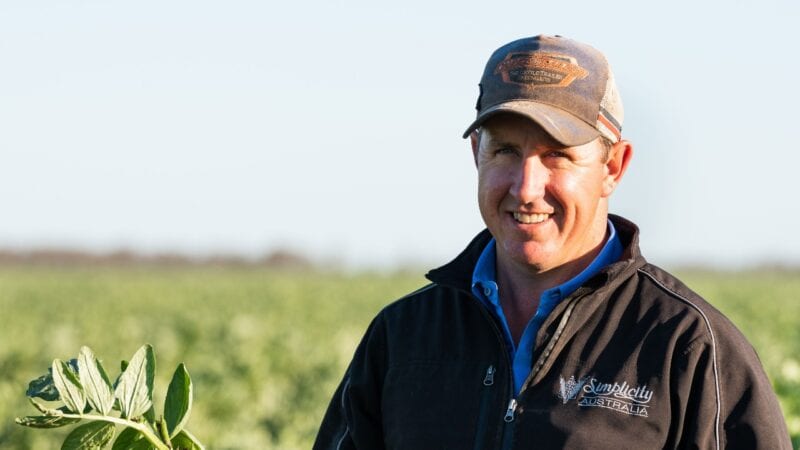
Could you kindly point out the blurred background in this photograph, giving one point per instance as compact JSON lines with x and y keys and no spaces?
{"x":244,"y":184}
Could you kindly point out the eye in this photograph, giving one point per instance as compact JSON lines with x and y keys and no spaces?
{"x":506,"y":151}
{"x":557,"y":154}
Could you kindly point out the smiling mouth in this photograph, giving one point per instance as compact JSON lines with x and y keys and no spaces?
{"x":530,"y":218}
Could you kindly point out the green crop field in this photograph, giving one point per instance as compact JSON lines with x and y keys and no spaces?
{"x":266,"y":349}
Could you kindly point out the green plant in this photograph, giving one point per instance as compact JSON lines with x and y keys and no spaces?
{"x":271,"y":347}
{"x":83,"y":386}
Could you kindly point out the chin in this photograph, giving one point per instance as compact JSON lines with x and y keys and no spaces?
{"x":535,"y":259}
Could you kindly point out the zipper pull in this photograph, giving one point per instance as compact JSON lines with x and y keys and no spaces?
{"x":488,"y":380}
{"x":512,"y":407}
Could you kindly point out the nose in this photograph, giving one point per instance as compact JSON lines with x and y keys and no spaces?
{"x":530,"y":180}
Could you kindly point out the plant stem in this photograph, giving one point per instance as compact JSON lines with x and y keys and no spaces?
{"x":141,"y":428}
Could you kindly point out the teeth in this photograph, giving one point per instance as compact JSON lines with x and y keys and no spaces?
{"x":530,"y":218}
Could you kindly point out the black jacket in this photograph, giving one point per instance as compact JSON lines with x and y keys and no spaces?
{"x":632,"y":359}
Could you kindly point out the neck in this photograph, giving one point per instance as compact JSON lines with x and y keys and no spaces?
{"x":522,"y":287}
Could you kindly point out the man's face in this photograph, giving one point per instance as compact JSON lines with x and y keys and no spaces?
{"x":545,"y":204}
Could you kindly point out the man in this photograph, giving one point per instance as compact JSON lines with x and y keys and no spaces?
{"x":551,"y":330}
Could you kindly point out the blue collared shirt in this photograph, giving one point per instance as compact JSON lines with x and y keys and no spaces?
{"x":484,"y":286}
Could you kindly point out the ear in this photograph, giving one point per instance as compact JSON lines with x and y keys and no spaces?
{"x":619,"y":157}
{"x":475,"y":143}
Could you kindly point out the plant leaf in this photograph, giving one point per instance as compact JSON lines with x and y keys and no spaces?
{"x":122,"y":366}
{"x":185,"y":441}
{"x":130,"y":439}
{"x":161,"y":429}
{"x":150,"y":416}
{"x":178,"y":403}
{"x":91,"y":436}
{"x":43,"y":386}
{"x":135,"y":387}
{"x":95,"y":382}
{"x":69,"y":387}
{"x":45,"y":421}
{"x":47,"y":411}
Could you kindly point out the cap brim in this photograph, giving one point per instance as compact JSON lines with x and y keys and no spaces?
{"x":561,"y":125}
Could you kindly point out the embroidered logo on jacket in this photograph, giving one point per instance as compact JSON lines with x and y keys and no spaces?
{"x":621,"y":397}
{"x":570,"y":388}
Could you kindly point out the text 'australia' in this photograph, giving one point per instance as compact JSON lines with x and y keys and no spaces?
{"x":620,"y":397}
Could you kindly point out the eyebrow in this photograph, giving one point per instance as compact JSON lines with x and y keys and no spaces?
{"x":494,"y":143}
{"x":551,"y":144}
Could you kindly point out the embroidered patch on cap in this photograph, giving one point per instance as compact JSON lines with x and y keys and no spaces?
{"x":540,"y":69}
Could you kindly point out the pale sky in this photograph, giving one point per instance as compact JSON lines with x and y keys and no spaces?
{"x":334,"y":128}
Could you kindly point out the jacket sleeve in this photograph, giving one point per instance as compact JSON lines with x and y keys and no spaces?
{"x":353,"y":419}
{"x":727,"y":401}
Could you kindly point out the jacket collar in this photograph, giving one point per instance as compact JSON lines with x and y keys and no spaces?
{"x":458,"y":272}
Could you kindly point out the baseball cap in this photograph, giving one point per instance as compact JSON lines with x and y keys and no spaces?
{"x":565,"y":86}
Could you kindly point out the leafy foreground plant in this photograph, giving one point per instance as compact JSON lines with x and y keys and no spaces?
{"x":83,"y":386}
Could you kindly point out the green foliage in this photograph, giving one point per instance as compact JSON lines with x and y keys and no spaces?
{"x":267,"y":349}
{"x":44,"y":388}
{"x":185,"y":441}
{"x":130,"y":439}
{"x":135,"y":386}
{"x":69,"y":388}
{"x":89,"y":436}
{"x":95,"y":381}
{"x":48,"y":421}
{"x":178,"y":402}
{"x":87,"y":395}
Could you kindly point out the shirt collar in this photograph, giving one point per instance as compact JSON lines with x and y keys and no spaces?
{"x":485,"y":273}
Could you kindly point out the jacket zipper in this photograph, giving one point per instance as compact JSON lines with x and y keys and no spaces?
{"x":508,"y":429}
{"x":488,"y":382}
{"x":510,"y":412}
{"x":540,"y":362}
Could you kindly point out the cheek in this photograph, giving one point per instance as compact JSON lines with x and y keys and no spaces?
{"x":491,"y":185}
{"x":578,"y":194}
